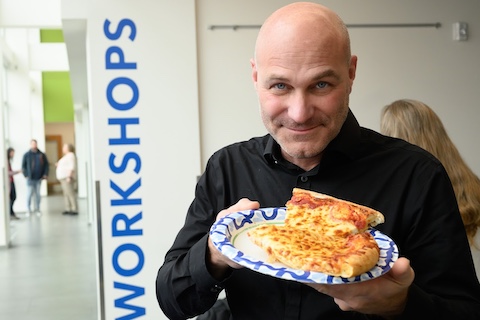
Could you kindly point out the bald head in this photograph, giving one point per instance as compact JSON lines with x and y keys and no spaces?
{"x":303,"y":26}
{"x":303,"y":73}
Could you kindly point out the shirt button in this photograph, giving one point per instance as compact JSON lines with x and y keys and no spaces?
{"x":304,"y":178}
{"x":216,"y":288}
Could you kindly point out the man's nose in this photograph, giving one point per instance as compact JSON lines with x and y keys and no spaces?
{"x":299,"y":107}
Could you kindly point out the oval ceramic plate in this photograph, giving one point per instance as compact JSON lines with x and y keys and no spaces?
{"x":230,"y":237}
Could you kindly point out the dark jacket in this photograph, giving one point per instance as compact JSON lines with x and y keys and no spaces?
{"x":29,"y":163}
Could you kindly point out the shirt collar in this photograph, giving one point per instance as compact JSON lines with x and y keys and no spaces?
{"x":272,"y":150}
{"x":348,"y":139}
{"x":347,"y":142}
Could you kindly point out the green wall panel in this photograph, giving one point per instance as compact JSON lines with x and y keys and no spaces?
{"x":57,"y":97}
{"x":51,"y":35}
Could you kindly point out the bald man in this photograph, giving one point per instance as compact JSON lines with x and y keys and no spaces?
{"x":303,"y":72}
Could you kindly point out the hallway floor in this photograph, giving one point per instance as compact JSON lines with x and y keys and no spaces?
{"x":49,"y":271}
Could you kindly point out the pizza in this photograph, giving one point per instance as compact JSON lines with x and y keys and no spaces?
{"x":322,"y":234}
{"x":329,"y":215}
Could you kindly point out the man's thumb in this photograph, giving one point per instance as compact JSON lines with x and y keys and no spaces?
{"x":402,"y":272}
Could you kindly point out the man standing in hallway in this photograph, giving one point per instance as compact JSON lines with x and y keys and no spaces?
{"x":35,"y":169}
{"x":66,"y":173}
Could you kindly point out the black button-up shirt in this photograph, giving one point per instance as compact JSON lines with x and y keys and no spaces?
{"x":407,"y":184}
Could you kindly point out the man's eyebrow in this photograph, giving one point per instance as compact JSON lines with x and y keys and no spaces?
{"x":317,"y":77}
{"x":326,"y":74}
{"x":276,"y":78}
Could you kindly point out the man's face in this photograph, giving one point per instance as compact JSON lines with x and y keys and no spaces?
{"x":303,"y":92}
{"x":33,"y":145}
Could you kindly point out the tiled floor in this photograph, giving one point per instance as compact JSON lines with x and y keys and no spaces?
{"x":49,"y":271}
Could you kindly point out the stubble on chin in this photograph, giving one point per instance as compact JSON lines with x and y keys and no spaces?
{"x":299,"y":149}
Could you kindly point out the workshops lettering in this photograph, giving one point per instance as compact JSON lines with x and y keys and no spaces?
{"x":123,"y":199}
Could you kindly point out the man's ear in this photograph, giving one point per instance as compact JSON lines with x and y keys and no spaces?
{"x":352,"y":71}
{"x":254,"y":72}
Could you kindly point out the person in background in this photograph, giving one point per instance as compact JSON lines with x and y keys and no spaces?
{"x":11,"y":173}
{"x":66,"y":174}
{"x":303,"y":72}
{"x":417,"y":123}
{"x":35,"y":169}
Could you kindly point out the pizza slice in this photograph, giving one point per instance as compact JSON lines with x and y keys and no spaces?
{"x":323,"y":234}
{"x":329,"y":215}
{"x":308,"y":250}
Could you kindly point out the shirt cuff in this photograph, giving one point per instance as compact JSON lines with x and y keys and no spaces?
{"x":198,"y":268}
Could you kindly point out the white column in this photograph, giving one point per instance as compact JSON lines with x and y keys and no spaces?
{"x":143,"y":104}
{"x":4,"y":193}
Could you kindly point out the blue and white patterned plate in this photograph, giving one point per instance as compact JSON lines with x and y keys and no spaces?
{"x":230,"y":237}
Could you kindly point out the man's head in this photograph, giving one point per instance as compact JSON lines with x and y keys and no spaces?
{"x":10,"y":153}
{"x":33,"y":145}
{"x":68,"y":147}
{"x":303,"y":73}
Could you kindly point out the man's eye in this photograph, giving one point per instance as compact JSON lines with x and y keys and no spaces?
{"x":322,"y":85}
{"x":280,"y":86}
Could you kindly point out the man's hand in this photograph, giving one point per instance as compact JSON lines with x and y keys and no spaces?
{"x":384,"y":296}
{"x":217,"y":263}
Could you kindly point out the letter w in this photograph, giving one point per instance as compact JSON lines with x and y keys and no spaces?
{"x":121,"y":302}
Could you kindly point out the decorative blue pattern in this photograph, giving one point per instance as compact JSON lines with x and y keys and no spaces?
{"x":226,"y":233}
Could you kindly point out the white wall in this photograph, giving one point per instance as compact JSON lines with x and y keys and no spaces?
{"x":419,"y":63}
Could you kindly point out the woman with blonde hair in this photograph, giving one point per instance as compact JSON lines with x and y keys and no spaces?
{"x":417,"y":123}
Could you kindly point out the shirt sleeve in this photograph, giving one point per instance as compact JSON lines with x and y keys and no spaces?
{"x":46,"y":166}
{"x":24,"y":165}
{"x":184,"y":285}
{"x":445,"y":285}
